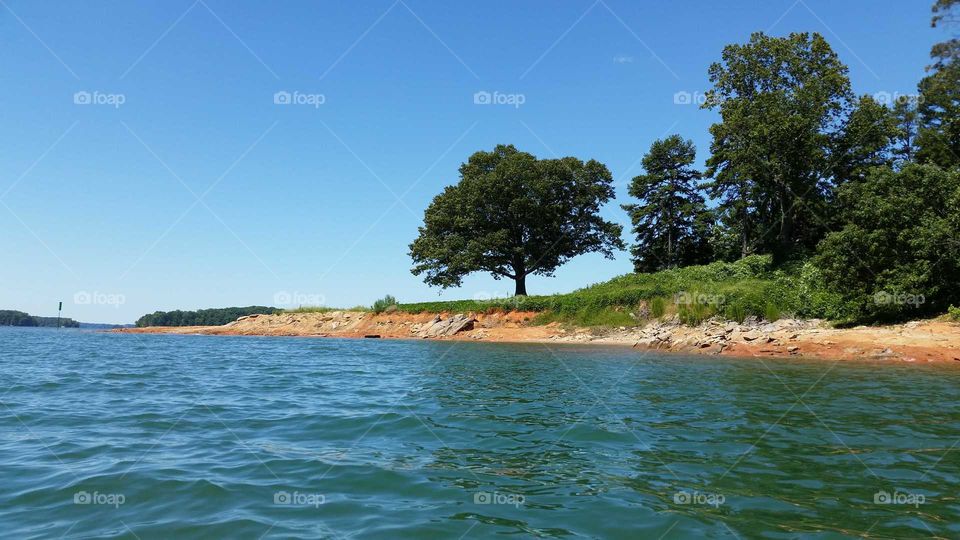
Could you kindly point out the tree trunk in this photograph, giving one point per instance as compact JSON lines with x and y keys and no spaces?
{"x":744,"y":235}
{"x":521,"y":281}
{"x":670,"y":248}
{"x":785,"y":236}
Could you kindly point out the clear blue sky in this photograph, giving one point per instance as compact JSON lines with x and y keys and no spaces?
{"x":100,"y":202}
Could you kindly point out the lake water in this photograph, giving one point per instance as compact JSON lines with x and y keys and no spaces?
{"x":151,"y":436}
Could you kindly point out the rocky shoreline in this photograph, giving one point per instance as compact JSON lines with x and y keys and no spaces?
{"x":918,"y":341}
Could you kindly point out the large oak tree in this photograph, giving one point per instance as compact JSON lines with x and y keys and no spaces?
{"x":513,"y":215}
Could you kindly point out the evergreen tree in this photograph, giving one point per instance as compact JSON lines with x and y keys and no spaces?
{"x":906,"y":118}
{"x":671,"y":223}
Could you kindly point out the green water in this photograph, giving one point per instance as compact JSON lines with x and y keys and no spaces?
{"x":128,"y":436}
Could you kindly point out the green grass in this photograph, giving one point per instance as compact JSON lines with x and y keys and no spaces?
{"x":735,"y":291}
{"x":324,"y":309}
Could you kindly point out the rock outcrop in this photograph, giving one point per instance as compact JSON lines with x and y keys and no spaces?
{"x":448,"y":327}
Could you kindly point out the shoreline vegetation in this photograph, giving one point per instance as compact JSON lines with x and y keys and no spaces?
{"x":745,"y":308}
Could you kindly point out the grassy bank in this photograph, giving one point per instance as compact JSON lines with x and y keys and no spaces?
{"x":737,"y":290}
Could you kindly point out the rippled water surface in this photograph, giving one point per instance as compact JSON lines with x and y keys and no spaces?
{"x":130,"y":436}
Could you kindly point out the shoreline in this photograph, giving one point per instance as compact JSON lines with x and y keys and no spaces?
{"x":917,"y":341}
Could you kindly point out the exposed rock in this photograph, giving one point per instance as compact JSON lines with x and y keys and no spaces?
{"x":449,"y":327}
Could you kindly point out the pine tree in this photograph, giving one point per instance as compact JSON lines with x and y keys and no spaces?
{"x":671,"y":223}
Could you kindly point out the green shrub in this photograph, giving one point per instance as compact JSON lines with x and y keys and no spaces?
{"x":658,"y":306}
{"x":695,"y":313}
{"x":735,"y":312}
{"x":384,"y":303}
{"x":953,"y":313}
{"x":897,"y":256}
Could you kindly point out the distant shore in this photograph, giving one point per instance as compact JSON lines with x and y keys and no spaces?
{"x":918,"y":341}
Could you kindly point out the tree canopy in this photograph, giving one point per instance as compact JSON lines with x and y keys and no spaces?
{"x":513,"y":215}
{"x":898,"y":253}
{"x":781,"y":101}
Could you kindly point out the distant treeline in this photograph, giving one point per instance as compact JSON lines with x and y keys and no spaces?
{"x":201,"y":317}
{"x":9,"y":317}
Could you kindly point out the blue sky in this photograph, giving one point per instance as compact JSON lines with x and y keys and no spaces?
{"x":178,"y":182}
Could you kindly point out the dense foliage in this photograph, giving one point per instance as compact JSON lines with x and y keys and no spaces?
{"x":9,"y":317}
{"x":898,"y":253}
{"x":513,"y":215}
{"x":202,"y":317}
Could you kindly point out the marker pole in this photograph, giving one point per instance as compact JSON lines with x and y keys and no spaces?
{"x":59,"y":309}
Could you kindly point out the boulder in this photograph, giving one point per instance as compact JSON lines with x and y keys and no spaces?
{"x":449,"y":327}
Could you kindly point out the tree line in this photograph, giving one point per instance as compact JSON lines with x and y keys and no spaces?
{"x":10,"y":317}
{"x":202,"y":317}
{"x":862,"y":192}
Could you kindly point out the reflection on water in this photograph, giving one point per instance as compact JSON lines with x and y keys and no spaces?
{"x":200,"y":437}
